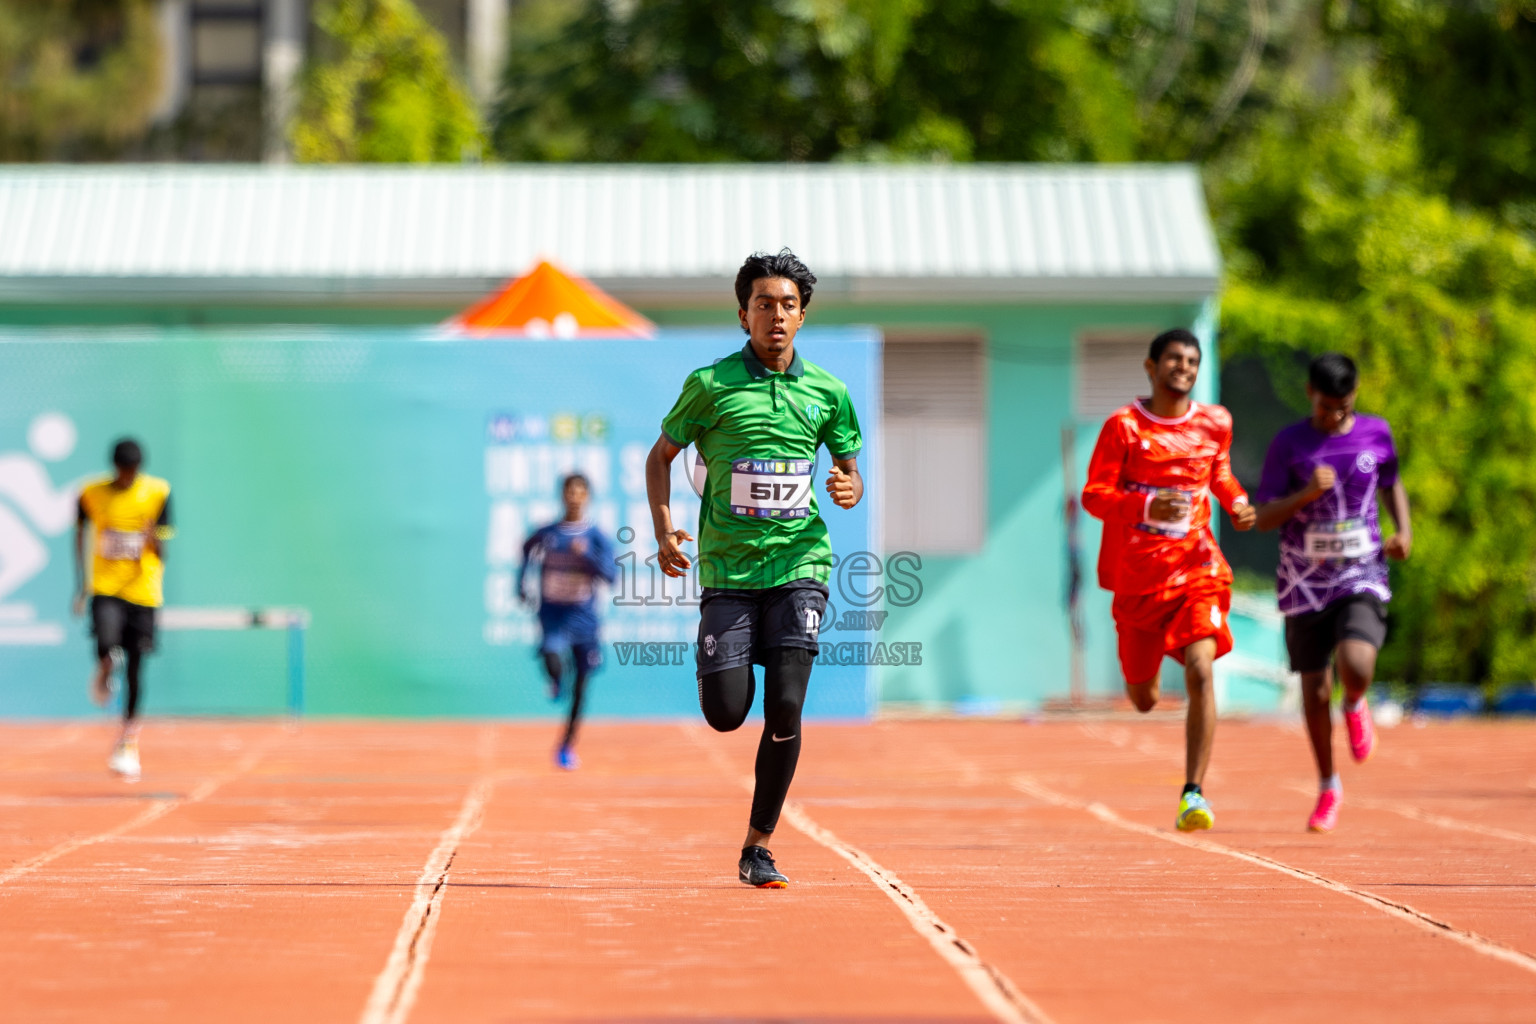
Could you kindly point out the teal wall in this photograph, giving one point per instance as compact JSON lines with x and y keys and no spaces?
{"x":993,"y":626}
{"x":382,"y":479}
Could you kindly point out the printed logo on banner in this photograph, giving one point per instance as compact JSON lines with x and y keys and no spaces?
{"x":527,"y":456}
{"x":32,"y":506}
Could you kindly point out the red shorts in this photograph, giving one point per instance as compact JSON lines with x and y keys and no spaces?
{"x":1166,"y":622}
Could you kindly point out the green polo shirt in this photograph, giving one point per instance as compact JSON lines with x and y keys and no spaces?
{"x":758,"y":432}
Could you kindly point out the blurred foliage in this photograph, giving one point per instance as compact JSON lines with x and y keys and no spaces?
{"x":1466,"y":71}
{"x":1341,"y":243}
{"x":692,"y":80}
{"x":382,"y":89}
{"x":81,"y":77}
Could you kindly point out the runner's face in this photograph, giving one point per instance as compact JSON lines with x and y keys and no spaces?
{"x":575,"y":499}
{"x":773,"y":315}
{"x":1330,"y":414}
{"x":1176,"y":370}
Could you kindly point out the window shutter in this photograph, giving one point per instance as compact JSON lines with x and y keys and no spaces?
{"x":935,"y":445}
{"x":1110,"y":372}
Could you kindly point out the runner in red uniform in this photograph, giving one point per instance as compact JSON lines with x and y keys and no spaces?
{"x":1154,"y":469}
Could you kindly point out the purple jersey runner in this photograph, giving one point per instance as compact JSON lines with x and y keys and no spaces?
{"x":1331,"y":548}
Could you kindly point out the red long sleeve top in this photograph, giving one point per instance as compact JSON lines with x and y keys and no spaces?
{"x":1139,"y":454}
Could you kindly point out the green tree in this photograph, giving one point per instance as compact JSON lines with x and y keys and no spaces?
{"x":1465,"y":72}
{"x":382,"y":90}
{"x":1341,"y":244}
{"x":81,"y":77}
{"x":770,"y":80}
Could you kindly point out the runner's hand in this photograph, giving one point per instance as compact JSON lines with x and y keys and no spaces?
{"x":1244,"y":516}
{"x":78,"y":604}
{"x":840,"y":487}
{"x":1169,"y":506}
{"x":1398,"y":546}
{"x":1323,"y":479}
{"x":671,"y":557}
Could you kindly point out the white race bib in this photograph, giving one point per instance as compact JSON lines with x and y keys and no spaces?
{"x":121,"y":545}
{"x":772,"y":488}
{"x":1344,"y":539}
{"x":1166,"y":527}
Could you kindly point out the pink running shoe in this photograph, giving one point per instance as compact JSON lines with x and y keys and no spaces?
{"x":1362,"y":734}
{"x":1326,"y":814}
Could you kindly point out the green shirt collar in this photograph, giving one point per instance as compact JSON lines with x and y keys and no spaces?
{"x":756,"y":368}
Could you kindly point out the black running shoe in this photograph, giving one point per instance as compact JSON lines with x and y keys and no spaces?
{"x":757,"y":869}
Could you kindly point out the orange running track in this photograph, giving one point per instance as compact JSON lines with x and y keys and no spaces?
{"x":383,"y":872}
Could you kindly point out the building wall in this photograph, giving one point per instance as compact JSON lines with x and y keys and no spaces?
{"x":993,"y":624}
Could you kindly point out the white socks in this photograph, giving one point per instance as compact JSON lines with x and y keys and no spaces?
{"x":1331,"y":782}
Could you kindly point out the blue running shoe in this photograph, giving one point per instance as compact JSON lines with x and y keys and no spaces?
{"x":566,"y":759}
{"x":1195,"y":814}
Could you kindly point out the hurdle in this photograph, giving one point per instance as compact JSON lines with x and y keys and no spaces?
{"x":294,"y":621}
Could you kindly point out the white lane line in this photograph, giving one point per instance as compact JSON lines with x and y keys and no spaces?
{"x":1428,"y":818}
{"x":991,"y":986}
{"x":1401,"y":911}
{"x":394,"y":990}
{"x":994,"y":988}
{"x":157,"y":809}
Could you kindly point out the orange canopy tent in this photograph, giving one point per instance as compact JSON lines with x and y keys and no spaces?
{"x":549,"y":303}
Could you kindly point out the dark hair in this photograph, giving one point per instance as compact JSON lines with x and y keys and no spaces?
{"x":127,"y":454}
{"x":575,"y":478}
{"x":1176,"y":335}
{"x":1333,"y":374}
{"x":784,"y":264}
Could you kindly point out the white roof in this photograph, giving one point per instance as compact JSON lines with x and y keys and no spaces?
{"x":658,"y":233}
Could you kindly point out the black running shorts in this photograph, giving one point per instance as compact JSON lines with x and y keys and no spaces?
{"x":1311,"y":637}
{"x":736,"y":627}
{"x":118,"y":623}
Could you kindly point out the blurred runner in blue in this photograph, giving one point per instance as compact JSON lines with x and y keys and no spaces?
{"x":572,"y":555}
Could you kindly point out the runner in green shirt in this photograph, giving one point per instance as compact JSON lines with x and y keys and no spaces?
{"x":757,"y":418}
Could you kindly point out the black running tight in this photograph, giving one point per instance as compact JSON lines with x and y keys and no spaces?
{"x":726,"y":697}
{"x":133,"y":659}
{"x":554,"y":664}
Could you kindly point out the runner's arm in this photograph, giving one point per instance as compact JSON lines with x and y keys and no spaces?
{"x":1276,"y":503}
{"x":1103,"y":497}
{"x":845,"y":483}
{"x":600,"y":558}
{"x":1274,"y":514}
{"x":534,"y":540}
{"x":163,"y":530}
{"x":81,"y":521}
{"x":1229,"y":492}
{"x":1400,"y":544}
{"x":658,"y":489}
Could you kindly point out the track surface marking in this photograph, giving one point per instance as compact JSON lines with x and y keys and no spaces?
{"x":1438,"y":820}
{"x":610,"y":893}
{"x":1402,"y":910}
{"x":156,"y":809}
{"x":995,"y":990}
{"x":394,"y":992}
